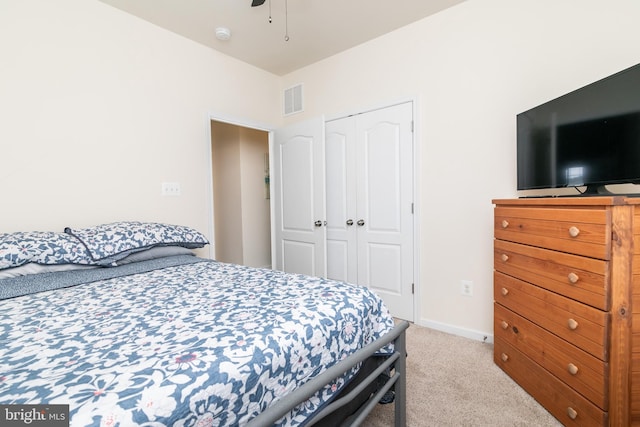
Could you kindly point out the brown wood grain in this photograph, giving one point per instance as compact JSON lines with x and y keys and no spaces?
{"x":621,"y":315}
{"x":549,"y":391}
{"x":553,"y":312}
{"x":543,"y":274}
{"x":591,"y":378}
{"x":550,"y":270}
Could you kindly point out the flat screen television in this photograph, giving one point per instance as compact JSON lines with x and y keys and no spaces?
{"x":587,"y":138}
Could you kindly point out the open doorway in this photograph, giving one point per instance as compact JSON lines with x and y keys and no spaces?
{"x":241,"y":199}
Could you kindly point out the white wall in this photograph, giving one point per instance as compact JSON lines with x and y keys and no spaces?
{"x":227,"y":194}
{"x":472,"y":68}
{"x":98,"y":107}
{"x":256,"y":208}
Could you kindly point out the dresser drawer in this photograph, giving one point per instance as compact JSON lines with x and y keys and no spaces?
{"x":578,"y":231}
{"x":577,"y":277}
{"x":581,"y":371}
{"x":564,"y":403}
{"x":583,"y":326}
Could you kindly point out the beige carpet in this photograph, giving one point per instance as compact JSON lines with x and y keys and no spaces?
{"x":452,"y":381}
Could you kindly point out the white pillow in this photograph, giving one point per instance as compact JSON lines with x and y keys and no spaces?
{"x":33,"y":268}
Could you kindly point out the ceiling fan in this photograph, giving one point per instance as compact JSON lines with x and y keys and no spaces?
{"x":255,"y":3}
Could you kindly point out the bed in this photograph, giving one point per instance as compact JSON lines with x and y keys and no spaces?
{"x":123,"y":323}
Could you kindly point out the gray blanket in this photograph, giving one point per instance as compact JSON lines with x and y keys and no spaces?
{"x":32,"y":283}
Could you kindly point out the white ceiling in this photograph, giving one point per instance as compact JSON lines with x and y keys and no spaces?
{"x":317,"y":29}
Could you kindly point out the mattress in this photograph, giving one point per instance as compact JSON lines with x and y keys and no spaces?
{"x":179,"y":341}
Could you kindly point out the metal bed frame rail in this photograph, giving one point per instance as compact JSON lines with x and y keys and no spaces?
{"x":399,"y":378}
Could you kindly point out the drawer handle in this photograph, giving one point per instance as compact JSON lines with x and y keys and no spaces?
{"x":504,"y":292}
{"x":504,"y":324}
{"x":573,"y":278}
{"x":504,"y":223}
{"x":504,"y":357}
{"x":504,"y":257}
{"x":574,"y":231}
{"x":573,"y":414}
{"x":572,"y":324}
{"x":573,"y":369}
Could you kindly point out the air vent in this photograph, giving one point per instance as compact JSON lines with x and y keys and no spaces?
{"x":293,"y":100}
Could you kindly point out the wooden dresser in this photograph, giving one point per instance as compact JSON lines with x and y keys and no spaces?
{"x":566,"y":290}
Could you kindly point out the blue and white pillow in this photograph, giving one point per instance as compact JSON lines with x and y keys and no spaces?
{"x":41,"y":247}
{"x":108,"y":243}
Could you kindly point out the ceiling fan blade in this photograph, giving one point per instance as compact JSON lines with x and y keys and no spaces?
{"x":255,"y":3}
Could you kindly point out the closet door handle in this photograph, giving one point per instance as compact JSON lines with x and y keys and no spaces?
{"x":318,"y":223}
{"x":361,"y":222}
{"x":349,"y":222}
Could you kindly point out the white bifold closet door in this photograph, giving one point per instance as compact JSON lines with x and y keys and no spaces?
{"x":369,"y":203}
{"x":298,"y":198}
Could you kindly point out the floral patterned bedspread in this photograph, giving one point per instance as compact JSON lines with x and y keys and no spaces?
{"x":201,"y":344}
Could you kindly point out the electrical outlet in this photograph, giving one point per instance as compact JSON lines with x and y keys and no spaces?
{"x":170,"y":188}
{"x":466,"y":287}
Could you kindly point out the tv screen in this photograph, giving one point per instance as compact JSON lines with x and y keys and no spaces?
{"x":589,"y":137}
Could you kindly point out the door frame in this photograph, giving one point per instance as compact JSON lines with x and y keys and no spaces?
{"x":240,"y":122}
{"x":417,"y":314}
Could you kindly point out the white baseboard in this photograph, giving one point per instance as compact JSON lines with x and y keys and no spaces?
{"x":456,"y":330}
